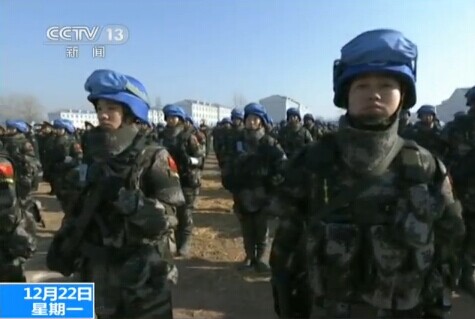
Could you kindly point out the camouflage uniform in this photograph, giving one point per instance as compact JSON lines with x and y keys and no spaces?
{"x":119,"y":234}
{"x":231,"y":136}
{"x":404,"y":123}
{"x":427,"y":132}
{"x":251,"y":176}
{"x":220,"y":133}
{"x":17,"y":226}
{"x":46,"y":145}
{"x":293,"y":136}
{"x":60,"y":151}
{"x":185,"y":149}
{"x":207,"y":133}
{"x":314,"y":128}
{"x":460,"y":135}
{"x":27,"y":167}
{"x":366,"y":216}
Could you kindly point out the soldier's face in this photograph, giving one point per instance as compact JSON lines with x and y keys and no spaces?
{"x":253,"y":122}
{"x":374,"y":95}
{"x":308,"y":122}
{"x":109,"y":113}
{"x":294,"y":119}
{"x":427,"y":118}
{"x":237,"y":122}
{"x":172,"y":121}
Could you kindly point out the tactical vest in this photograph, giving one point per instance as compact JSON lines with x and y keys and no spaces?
{"x":293,"y":141}
{"x":113,"y":188}
{"x":249,"y":169}
{"x":379,"y":245}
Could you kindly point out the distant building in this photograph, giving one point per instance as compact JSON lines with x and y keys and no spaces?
{"x":78,"y":117}
{"x":277,"y":106}
{"x":199,"y":110}
{"x":155,"y":115}
{"x":455,"y":103}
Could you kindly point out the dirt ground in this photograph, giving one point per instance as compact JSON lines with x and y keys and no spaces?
{"x":209,"y":284}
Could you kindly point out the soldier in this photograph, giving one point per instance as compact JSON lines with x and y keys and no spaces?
{"x":251,"y":176}
{"x":314,"y":129}
{"x":27,"y":166}
{"x":460,"y":136}
{"x":61,"y":147}
{"x":219,"y":138}
{"x":293,"y":136}
{"x":229,"y":137}
{"x":119,"y":233}
{"x":185,"y":149}
{"x":365,"y":215}
{"x":200,"y":136}
{"x":404,"y":122}
{"x":17,"y":226}
{"x":207,"y":132}
{"x":427,"y":131}
{"x":460,"y":133}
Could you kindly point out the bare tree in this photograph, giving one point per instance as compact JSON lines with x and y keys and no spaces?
{"x":21,"y":106}
{"x":239,"y":100}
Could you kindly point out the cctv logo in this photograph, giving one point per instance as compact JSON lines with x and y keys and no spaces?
{"x":73,"y":34}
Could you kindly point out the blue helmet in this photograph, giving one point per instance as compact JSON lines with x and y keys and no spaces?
{"x":111,"y":85}
{"x":19,"y":125}
{"x":174,"y":110}
{"x":237,"y":114}
{"x":67,"y":125}
{"x":308,"y":116}
{"x":381,"y":51}
{"x":470,"y":96}
{"x":426,"y":109}
{"x":293,"y":112}
{"x":257,"y":110}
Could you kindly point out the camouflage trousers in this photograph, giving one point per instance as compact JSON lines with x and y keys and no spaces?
{"x":255,"y":232}
{"x":185,"y":216}
{"x":135,"y":287}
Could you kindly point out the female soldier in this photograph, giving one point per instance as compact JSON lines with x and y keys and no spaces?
{"x":185,"y":149}
{"x":250,"y":175}
{"x":381,"y":221}
{"x":118,"y":234}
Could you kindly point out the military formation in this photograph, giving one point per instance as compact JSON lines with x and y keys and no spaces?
{"x":373,"y":211}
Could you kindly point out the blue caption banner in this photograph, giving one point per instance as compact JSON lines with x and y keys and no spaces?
{"x":46,"y":300}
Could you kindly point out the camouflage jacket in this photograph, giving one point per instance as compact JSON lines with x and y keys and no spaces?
{"x":408,"y":216}
{"x":254,"y":170}
{"x":125,"y":247}
{"x":185,"y":148}
{"x":293,"y":139}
